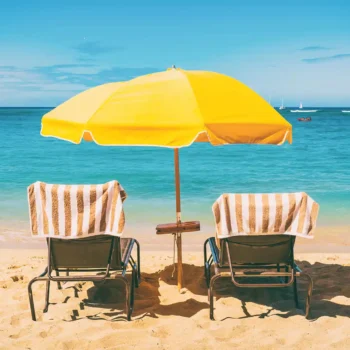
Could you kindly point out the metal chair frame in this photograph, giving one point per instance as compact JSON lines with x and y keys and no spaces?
{"x":118,"y":273}
{"x":252,"y":270}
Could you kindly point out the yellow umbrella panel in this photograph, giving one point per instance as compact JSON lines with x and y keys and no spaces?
{"x":172,"y":109}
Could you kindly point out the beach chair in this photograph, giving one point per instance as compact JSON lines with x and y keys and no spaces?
{"x":83,"y":225}
{"x":255,"y":236}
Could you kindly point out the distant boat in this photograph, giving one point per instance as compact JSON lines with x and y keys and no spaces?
{"x":301,"y":110}
{"x":346,"y":111}
{"x":304,"y":119}
{"x":282,"y":105}
{"x":304,"y":111}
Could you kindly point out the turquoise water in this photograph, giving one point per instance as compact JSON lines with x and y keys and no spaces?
{"x":318,"y":162}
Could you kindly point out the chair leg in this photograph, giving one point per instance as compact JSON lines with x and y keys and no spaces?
{"x":208,"y":274}
{"x":47,"y":296}
{"x":309,"y":294}
{"x":211,"y":296}
{"x":134,"y":269}
{"x":132,"y":293}
{"x":128,"y":298}
{"x":206,"y":264}
{"x":59,"y":286}
{"x":295,"y":289}
{"x":136,"y":266}
{"x":286,"y":269}
{"x":136,"y":278}
{"x":138,"y":262}
{"x":30,"y":292}
{"x":205,"y":260}
{"x":211,"y":304}
{"x":31,"y":300}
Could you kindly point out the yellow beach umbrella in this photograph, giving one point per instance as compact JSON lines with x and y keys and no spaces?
{"x":169,"y":109}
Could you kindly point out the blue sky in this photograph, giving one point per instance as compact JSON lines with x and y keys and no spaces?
{"x":51,"y":50}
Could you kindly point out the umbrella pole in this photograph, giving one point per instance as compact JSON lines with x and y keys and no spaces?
{"x":178,"y":219}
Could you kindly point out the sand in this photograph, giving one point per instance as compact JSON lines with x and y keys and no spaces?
{"x":165,"y":319}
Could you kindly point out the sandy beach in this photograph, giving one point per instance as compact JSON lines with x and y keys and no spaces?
{"x":119,"y":116}
{"x":166,"y":319}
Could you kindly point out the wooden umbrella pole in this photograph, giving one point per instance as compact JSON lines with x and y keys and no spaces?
{"x":178,"y":220}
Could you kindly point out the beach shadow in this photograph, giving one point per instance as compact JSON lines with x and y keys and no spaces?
{"x":193,"y":278}
{"x":331,"y":286}
{"x":147,"y":301}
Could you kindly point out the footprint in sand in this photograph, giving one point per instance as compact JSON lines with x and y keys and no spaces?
{"x":15,"y":320}
{"x":160,"y":332}
{"x":3,"y":284}
{"x":17,"y":278}
{"x":43,"y":334}
{"x":14,"y":267}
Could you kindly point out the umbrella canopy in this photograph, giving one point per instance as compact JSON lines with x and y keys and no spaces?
{"x":170,"y":109}
{"x":173,"y":109}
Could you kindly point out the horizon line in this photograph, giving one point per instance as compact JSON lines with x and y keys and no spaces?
{"x":277,"y":106}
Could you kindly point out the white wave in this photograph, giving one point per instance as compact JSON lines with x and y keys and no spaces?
{"x":304,"y":111}
{"x":346,"y":111}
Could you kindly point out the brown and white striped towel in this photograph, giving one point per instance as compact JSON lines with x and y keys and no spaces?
{"x":263,"y":214}
{"x":76,"y":211}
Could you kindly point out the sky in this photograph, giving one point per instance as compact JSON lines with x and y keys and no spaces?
{"x":295,"y":50}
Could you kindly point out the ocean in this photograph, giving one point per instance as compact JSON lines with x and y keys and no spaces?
{"x":318,"y":162}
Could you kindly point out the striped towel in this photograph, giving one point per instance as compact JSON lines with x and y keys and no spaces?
{"x":76,"y":211}
{"x":264,"y":214}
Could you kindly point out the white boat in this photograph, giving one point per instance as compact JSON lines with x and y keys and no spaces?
{"x":282,"y":105}
{"x":304,"y":111}
{"x":346,"y":111}
{"x":301,"y":110}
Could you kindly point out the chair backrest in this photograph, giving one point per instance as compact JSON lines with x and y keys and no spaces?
{"x":264,"y":249}
{"x":85,"y":253}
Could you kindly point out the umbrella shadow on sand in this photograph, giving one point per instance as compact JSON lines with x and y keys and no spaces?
{"x":148,"y":301}
{"x":331,"y":287}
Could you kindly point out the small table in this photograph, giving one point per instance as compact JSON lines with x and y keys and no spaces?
{"x":187,"y":226}
{"x":177,"y":229}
